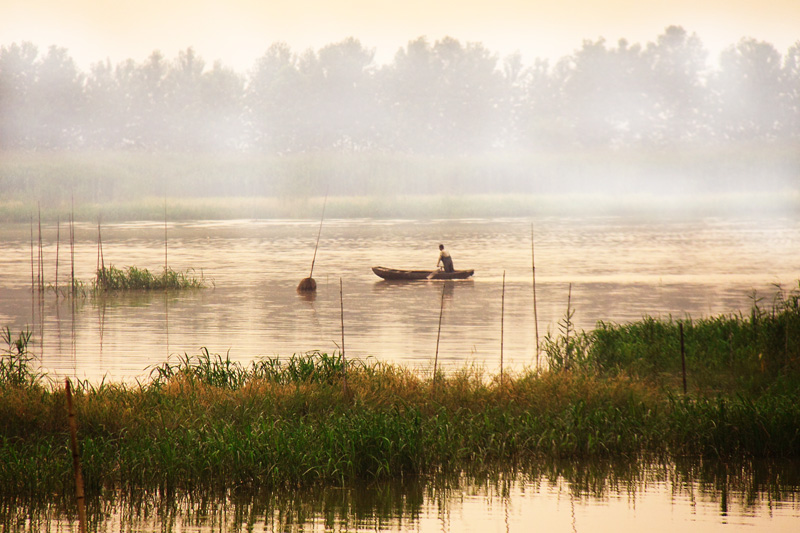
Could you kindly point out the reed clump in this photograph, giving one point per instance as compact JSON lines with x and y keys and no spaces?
{"x":132,"y":278}
{"x":749,"y":353}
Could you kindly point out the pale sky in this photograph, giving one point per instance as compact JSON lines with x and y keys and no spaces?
{"x":236,"y":32}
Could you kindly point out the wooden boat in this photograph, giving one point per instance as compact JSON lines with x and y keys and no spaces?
{"x":396,"y":274}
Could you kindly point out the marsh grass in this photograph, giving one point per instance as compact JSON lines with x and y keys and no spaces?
{"x":15,"y":360}
{"x":743,"y":353}
{"x":132,"y":278}
{"x":207,"y":421}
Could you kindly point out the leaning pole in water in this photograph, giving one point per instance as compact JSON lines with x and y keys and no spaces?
{"x":308,"y":284}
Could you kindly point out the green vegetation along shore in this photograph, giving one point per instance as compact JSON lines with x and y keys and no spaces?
{"x":132,"y":185}
{"x":615,"y":392}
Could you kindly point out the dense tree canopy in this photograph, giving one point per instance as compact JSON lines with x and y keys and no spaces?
{"x":443,"y":97}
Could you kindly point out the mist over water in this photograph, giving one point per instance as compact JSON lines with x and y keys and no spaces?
{"x":444,"y":117}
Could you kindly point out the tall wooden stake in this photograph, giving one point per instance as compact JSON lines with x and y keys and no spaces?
{"x":97,"y":263}
{"x":41,"y":254}
{"x":535,"y":313}
{"x":344,"y":360}
{"x":76,"y":460}
{"x":569,"y":324}
{"x":166,"y":262}
{"x":58,"y":244}
{"x":33,"y":276}
{"x":101,"y":264}
{"x":72,"y":244}
{"x":683,"y":357}
{"x":438,"y":336}
{"x":319,"y":233}
{"x":502,"y":331}
{"x":308,"y":284}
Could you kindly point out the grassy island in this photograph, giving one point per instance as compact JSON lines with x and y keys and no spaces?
{"x":112,"y":278}
{"x":316,"y":418}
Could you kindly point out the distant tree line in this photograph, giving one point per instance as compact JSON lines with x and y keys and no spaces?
{"x":433,"y":98}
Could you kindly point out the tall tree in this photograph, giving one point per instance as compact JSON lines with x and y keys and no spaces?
{"x":749,"y":87}
{"x":606,"y":99}
{"x":445,"y":98}
{"x":791,"y":94}
{"x":341,"y":78}
{"x":18,"y":78}
{"x":272,"y":100}
{"x":59,"y":100}
{"x":678,"y":70}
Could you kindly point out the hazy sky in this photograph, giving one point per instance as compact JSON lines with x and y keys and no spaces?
{"x":238,"y":31}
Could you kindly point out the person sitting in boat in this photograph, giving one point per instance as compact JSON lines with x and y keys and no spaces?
{"x":445,"y":260}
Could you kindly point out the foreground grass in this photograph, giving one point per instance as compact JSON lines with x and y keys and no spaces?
{"x":615,"y":393}
{"x":209,"y":422}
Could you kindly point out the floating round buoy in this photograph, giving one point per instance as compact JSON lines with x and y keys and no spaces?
{"x":307,"y":284}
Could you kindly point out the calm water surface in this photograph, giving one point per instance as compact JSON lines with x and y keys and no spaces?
{"x":619,"y":269}
{"x":652,"y":499}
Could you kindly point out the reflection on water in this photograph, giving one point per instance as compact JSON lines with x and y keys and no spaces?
{"x":570,"y":496}
{"x":619,"y":269}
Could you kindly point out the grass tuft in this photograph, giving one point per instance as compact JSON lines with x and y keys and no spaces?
{"x":132,"y":279}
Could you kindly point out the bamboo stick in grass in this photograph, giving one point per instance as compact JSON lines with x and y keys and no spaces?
{"x":535,"y":313}
{"x":76,"y":460}
{"x":502,"y":319}
{"x":345,"y":390}
{"x":438,"y":336}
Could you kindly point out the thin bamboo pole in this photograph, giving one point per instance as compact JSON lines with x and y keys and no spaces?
{"x":308,"y":284}
{"x":319,"y":234}
{"x":683,"y":357}
{"x":58,"y":245}
{"x":97,"y":263}
{"x":166,"y":259}
{"x":33,"y":276}
{"x":438,"y":336}
{"x":40,"y":273}
{"x":76,"y":460}
{"x":502,"y":326}
{"x":72,"y":245}
{"x":535,"y":313}
{"x":101,"y":263}
{"x":345,"y":390}
{"x":569,"y":324}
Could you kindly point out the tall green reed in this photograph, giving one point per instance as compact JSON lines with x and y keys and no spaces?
{"x":112,"y":278}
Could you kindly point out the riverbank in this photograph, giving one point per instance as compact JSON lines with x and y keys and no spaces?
{"x":206,"y":421}
{"x":422,"y":207}
{"x":133,"y":185}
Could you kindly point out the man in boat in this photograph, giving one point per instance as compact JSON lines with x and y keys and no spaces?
{"x":445,"y":260}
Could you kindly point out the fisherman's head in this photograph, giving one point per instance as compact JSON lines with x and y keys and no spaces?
{"x":441,"y":246}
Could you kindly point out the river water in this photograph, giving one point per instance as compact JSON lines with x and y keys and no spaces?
{"x":606,"y":268}
{"x":572,"y":497}
{"x":610,"y":269}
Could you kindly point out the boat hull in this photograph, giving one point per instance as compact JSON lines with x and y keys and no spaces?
{"x":410,"y":275}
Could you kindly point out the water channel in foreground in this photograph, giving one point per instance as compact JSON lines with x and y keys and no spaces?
{"x":619,"y":270}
